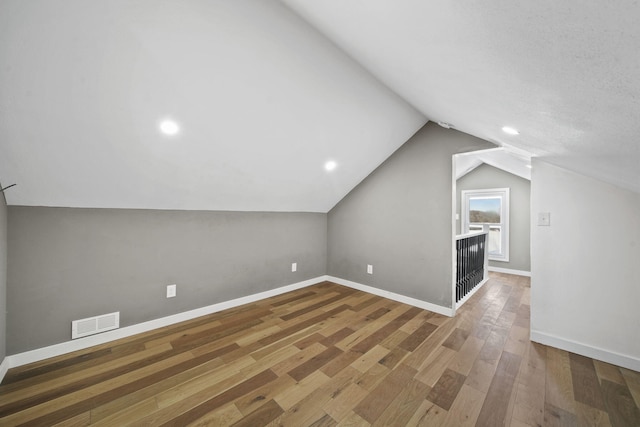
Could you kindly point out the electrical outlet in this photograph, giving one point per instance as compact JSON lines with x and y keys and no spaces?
{"x":369,"y":268}
{"x":171,"y":291}
{"x":294,"y":267}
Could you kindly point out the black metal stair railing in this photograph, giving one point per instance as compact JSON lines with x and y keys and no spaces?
{"x":471,"y":263}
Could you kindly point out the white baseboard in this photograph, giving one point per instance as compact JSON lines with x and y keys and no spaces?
{"x":4,"y":367}
{"x":446,"y":311}
{"x":612,"y":357}
{"x":510,"y":271}
{"x":105,"y":337}
{"x":36,"y":355}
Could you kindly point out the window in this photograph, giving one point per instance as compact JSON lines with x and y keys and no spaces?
{"x":488,"y":207}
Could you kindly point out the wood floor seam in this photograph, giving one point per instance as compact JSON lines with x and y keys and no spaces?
{"x":328,"y":355}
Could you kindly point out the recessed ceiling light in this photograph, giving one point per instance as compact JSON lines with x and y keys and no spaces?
{"x":529,"y":166}
{"x":330,"y":165}
{"x":169,"y":127}
{"x":510,"y":130}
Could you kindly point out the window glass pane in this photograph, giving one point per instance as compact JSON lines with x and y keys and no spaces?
{"x":495,"y":240}
{"x":474,"y":228}
{"x":485,"y":210}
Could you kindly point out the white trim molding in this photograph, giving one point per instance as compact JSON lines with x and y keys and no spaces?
{"x":4,"y":367}
{"x":510,"y":271}
{"x":489,"y":193}
{"x":105,"y":337}
{"x":127,"y":331}
{"x":608,"y":356}
{"x":446,"y":311}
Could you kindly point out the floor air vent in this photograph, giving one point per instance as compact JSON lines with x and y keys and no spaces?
{"x":95,"y":325}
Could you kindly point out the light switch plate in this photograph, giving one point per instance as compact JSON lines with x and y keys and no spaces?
{"x":544,"y":219}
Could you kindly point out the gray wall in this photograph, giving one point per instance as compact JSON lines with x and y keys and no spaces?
{"x":484,"y":177}
{"x":67,"y":264}
{"x":400,"y":219}
{"x":3,"y":277}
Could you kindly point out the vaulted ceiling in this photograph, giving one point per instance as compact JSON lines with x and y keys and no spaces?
{"x":566,"y":73}
{"x":266,"y":92}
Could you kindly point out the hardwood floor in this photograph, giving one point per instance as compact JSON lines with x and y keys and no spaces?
{"x":329,"y":355}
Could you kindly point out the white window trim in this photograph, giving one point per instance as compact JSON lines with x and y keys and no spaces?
{"x":504,"y":216}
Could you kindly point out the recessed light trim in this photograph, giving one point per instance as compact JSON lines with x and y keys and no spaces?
{"x":169,"y":127}
{"x":509,"y":130}
{"x":330,"y":165}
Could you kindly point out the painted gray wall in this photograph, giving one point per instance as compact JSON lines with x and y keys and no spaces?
{"x":3,"y":277}
{"x":67,"y":264}
{"x":400,"y":219}
{"x":484,"y":177}
{"x":585,"y":288}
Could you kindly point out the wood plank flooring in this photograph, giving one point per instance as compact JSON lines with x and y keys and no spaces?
{"x":328,"y":355}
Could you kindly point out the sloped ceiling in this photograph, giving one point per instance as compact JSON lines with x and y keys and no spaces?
{"x":262,"y":99}
{"x":513,"y":162}
{"x":266,"y":92}
{"x":564,"y":73}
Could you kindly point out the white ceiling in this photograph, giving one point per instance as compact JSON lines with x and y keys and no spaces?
{"x":264,"y":98}
{"x":565,"y":73}
{"x":509,"y":160}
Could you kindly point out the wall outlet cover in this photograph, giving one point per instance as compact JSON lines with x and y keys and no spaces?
{"x":369,"y":268}
{"x":171,"y":291}
{"x":294,"y":266}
